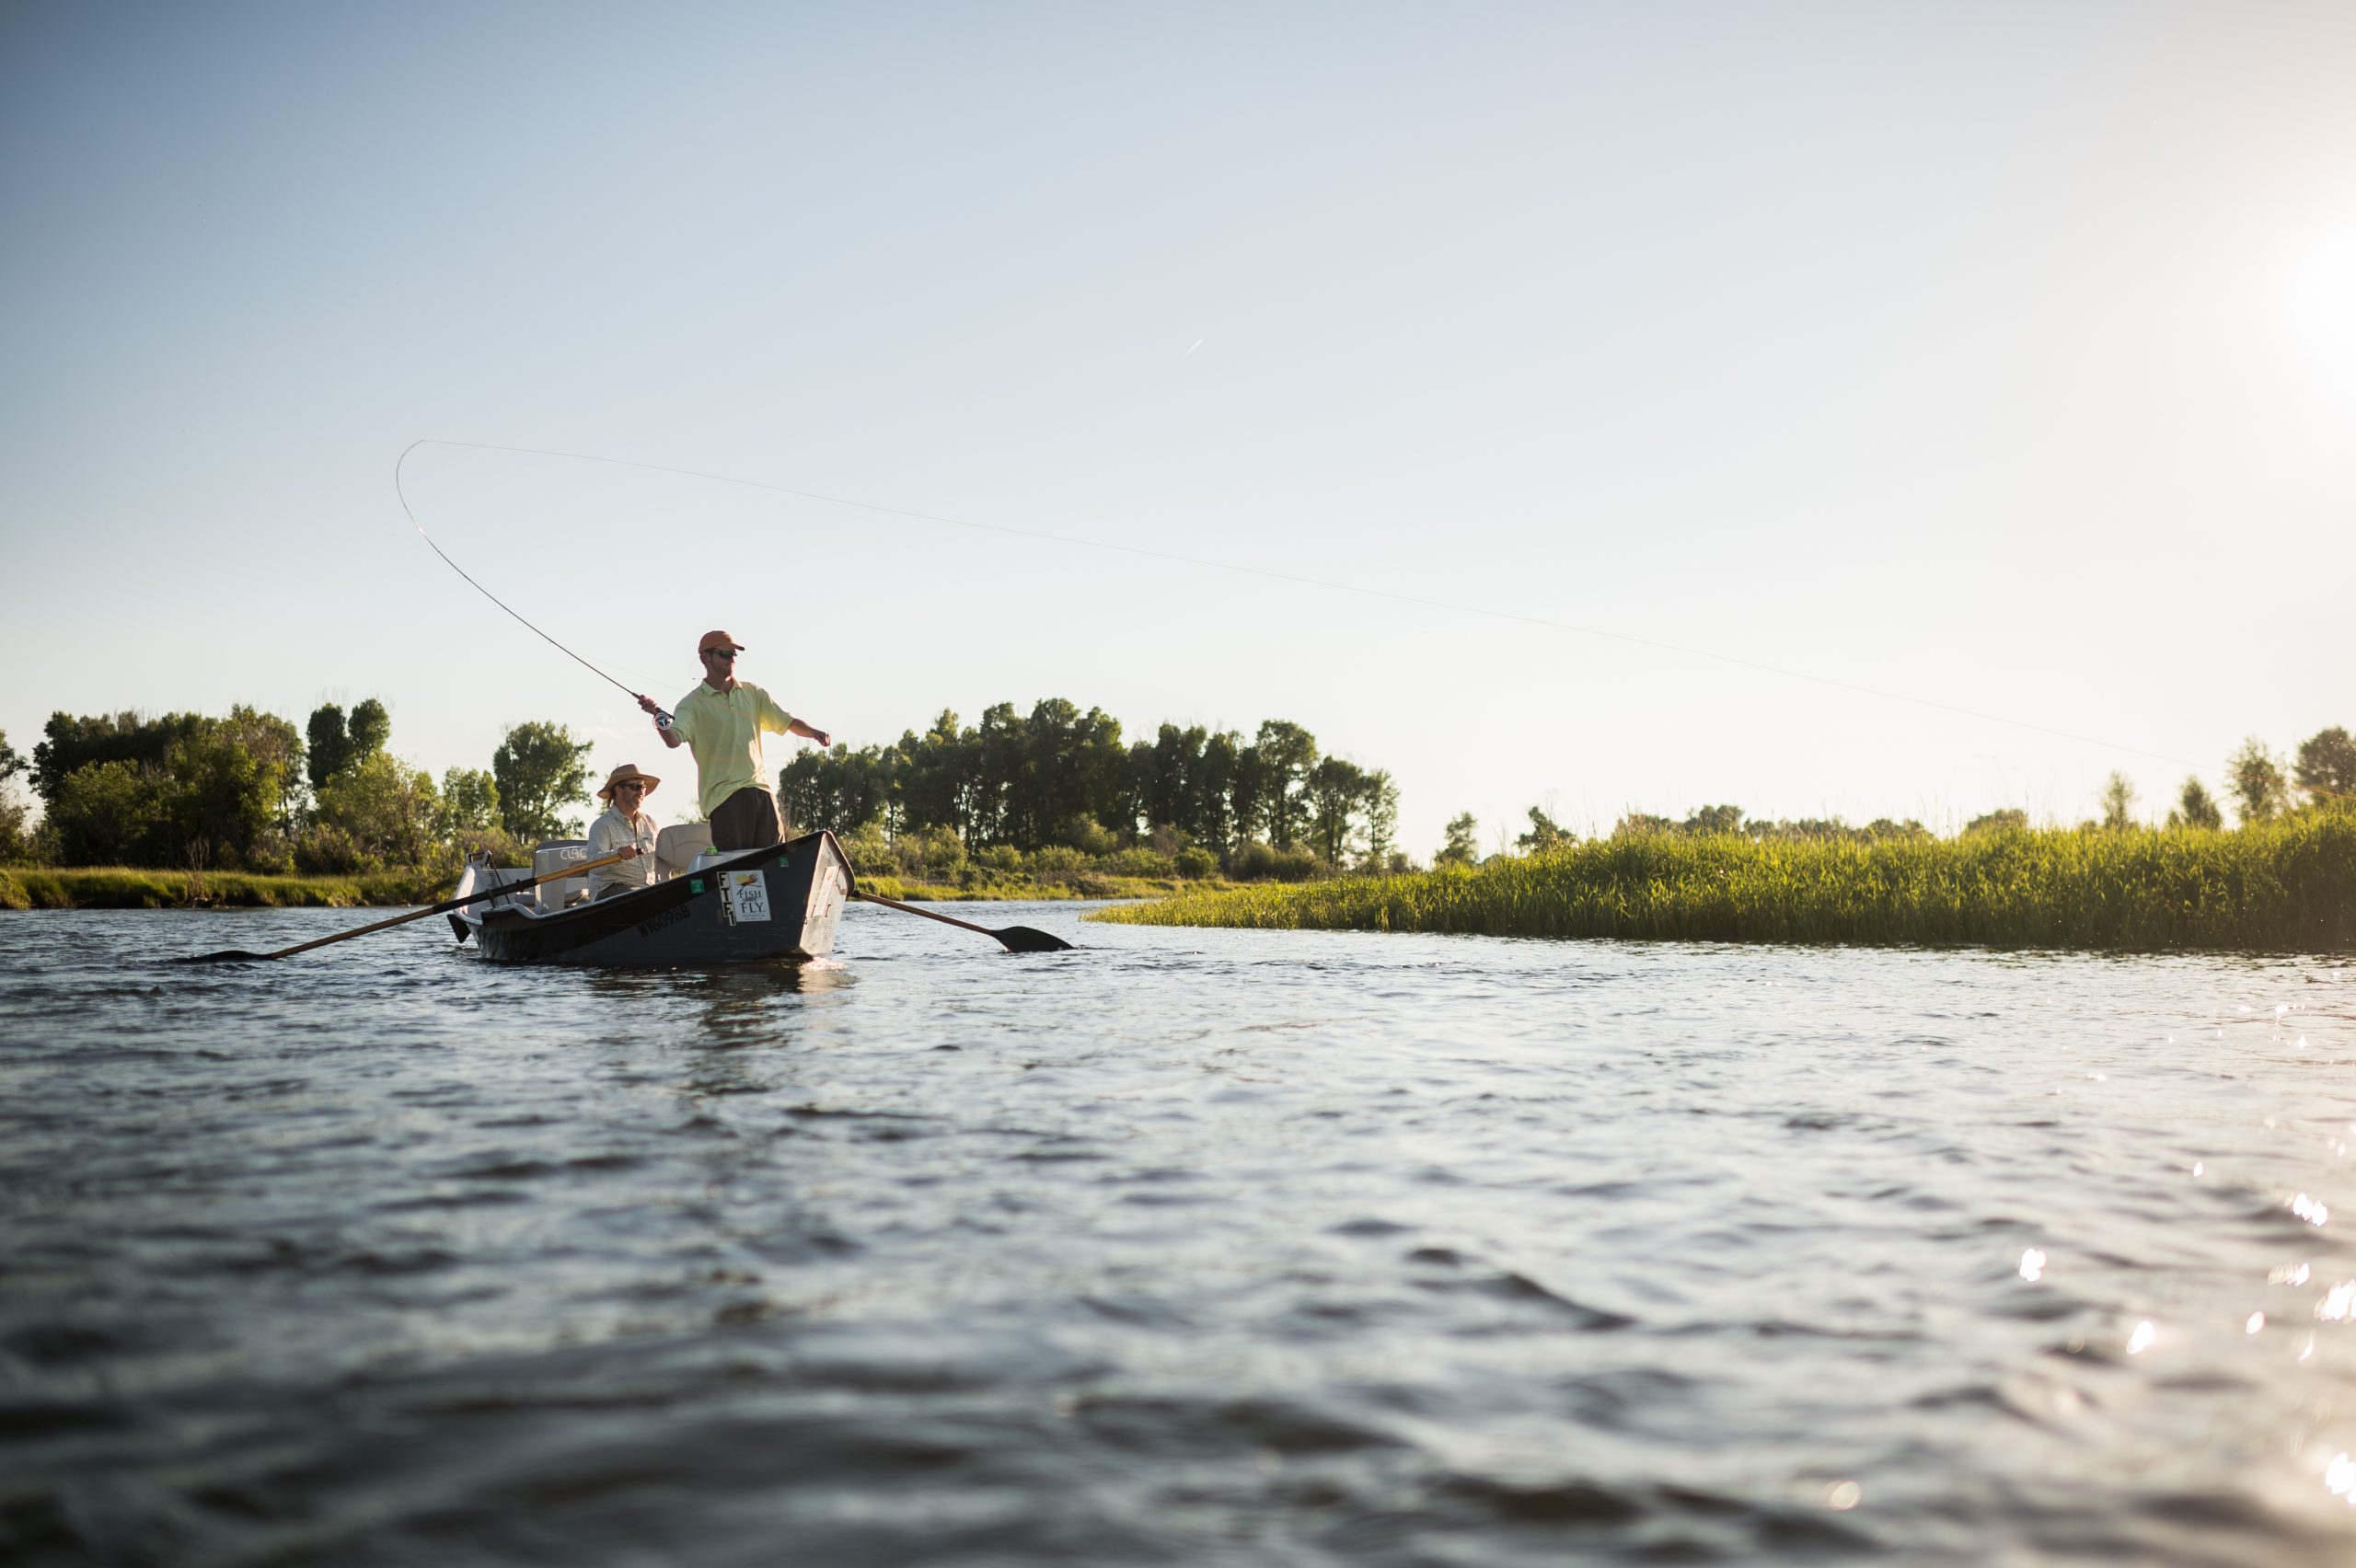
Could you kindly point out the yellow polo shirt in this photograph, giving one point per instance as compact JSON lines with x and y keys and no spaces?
{"x":724,"y":729}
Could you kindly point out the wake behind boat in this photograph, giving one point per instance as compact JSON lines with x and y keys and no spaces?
{"x":780,"y":902}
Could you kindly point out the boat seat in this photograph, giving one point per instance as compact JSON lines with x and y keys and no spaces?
{"x":675,"y":848}
{"x":553,"y":856}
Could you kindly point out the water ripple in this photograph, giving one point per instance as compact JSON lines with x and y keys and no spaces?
{"x":1196,"y":1246}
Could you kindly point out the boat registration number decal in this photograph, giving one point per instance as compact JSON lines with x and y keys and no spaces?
{"x":748,"y":896}
{"x":654,"y":923}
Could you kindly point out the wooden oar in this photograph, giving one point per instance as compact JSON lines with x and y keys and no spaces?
{"x":1018,"y":938}
{"x":236,"y":955}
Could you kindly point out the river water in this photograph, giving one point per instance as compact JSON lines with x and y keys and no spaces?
{"x":1186,"y":1247}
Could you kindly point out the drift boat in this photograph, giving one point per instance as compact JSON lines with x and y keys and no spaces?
{"x":744,"y":906}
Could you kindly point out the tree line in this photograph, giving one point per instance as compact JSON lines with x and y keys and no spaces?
{"x":1059,"y":777}
{"x":2263,"y":786}
{"x":251,"y":792}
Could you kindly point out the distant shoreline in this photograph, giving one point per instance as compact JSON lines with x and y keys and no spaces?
{"x":132,"y":887}
{"x":2286,"y":886}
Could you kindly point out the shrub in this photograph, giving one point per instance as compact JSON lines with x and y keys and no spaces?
{"x":1257,"y":861}
{"x":1087,"y":836}
{"x":869,"y":852}
{"x":1140,"y":861}
{"x":1059,"y":863}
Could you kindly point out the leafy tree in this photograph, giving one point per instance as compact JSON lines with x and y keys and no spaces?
{"x":2117,"y":802}
{"x":1287,"y":754}
{"x":1185,"y":779}
{"x":371,"y":728}
{"x":2195,"y":807}
{"x":1634,"y":824}
{"x":1336,"y":795}
{"x":181,"y":789}
{"x":2326,"y":769}
{"x":2254,"y":777}
{"x":1546,"y":835}
{"x":1073,"y":770}
{"x":469,"y":801}
{"x":331,"y":743}
{"x":2004,"y":819}
{"x":540,"y":770}
{"x":938,"y":785}
{"x":233,"y":784}
{"x":1462,"y":847}
{"x":1715,"y":819}
{"x":841,"y":791}
{"x":112,"y":814}
{"x":16,"y":841}
{"x":72,"y":743}
{"x":378,"y":812}
{"x":1211,"y":790}
{"x":1382,"y":823}
{"x":336,"y":745}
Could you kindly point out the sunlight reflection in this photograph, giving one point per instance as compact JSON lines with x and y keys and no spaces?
{"x":2337,"y":1302}
{"x":2287,"y":1273}
{"x":2257,"y":1321}
{"x":2309,"y":1209}
{"x":1844,"y":1495}
{"x":2140,"y":1340}
{"x":2032,"y":1265}
{"x":2340,"y":1476}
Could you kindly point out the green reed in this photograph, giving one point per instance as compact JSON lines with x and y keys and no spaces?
{"x":2286,"y":885}
{"x":131,"y":887}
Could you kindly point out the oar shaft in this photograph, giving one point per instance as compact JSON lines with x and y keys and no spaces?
{"x":912,"y":909}
{"x":445,"y":906}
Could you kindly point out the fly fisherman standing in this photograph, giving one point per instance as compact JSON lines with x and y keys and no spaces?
{"x":720,"y":722}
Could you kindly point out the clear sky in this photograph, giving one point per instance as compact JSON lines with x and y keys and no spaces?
{"x":2002,"y":356}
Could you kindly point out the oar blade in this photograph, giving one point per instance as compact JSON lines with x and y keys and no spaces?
{"x":232,"y":955}
{"x":1026,"y":939}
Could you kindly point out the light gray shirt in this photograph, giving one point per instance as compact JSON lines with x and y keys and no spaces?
{"x":609,"y":835}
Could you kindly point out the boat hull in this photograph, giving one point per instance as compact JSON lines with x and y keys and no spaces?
{"x":758,"y":906}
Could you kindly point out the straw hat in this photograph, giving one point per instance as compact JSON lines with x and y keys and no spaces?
{"x":626,"y":771}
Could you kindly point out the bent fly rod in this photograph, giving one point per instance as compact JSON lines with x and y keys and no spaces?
{"x":663,"y":718}
{"x":1395,"y":597}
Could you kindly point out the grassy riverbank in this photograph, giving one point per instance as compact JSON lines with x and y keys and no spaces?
{"x":2278,"y":886}
{"x":124,"y":887}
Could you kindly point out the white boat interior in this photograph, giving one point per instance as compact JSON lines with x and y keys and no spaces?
{"x":682,"y":847}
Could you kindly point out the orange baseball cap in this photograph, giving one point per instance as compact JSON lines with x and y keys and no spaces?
{"x":712,"y":640}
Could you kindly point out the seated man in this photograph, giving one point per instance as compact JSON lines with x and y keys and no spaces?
{"x":623,"y":830}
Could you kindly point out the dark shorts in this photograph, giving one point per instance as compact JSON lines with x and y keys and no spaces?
{"x":746,"y":820}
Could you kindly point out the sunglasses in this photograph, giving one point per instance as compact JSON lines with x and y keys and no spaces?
{"x":633,"y":786}
{"x":725,"y":655}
